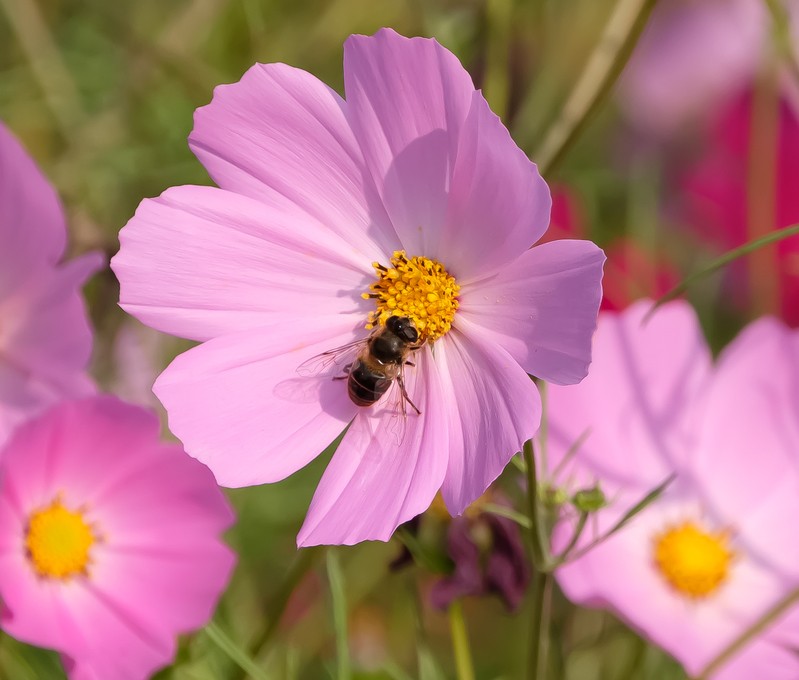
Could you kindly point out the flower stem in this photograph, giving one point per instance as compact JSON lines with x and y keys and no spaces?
{"x":236,"y":653}
{"x":595,"y":83}
{"x":539,"y":628}
{"x":460,"y":642}
{"x":304,"y":561}
{"x":750,"y":634}
{"x":337,"y":595}
{"x":721,"y":261}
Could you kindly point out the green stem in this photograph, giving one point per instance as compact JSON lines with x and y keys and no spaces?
{"x":460,"y":642}
{"x":595,"y":83}
{"x":721,"y":261}
{"x":337,"y":595}
{"x":539,"y":629}
{"x":304,"y":561}
{"x":750,"y":634}
{"x":781,"y":22}
{"x":236,"y":653}
{"x":496,"y":88}
{"x":540,"y":549}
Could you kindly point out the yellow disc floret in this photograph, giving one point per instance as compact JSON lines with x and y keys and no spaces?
{"x":693,"y":561}
{"x":58,"y":541}
{"x":418,"y":288}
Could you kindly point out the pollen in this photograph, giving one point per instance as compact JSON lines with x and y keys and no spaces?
{"x":694,"y":562}
{"x":58,"y":541}
{"x":418,"y":288}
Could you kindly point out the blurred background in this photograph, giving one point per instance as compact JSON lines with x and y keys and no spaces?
{"x":695,"y":150}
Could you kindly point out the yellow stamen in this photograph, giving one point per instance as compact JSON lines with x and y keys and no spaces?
{"x":693,"y":561}
{"x":418,"y":288}
{"x":58,"y":541}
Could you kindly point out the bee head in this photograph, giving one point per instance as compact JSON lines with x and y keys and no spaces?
{"x":403,"y":327}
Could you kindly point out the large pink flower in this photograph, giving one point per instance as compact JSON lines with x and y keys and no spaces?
{"x":45,"y":339}
{"x":269,"y":270}
{"x":109,"y":539}
{"x":686,"y":572}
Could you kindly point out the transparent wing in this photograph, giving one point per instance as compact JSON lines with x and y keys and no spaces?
{"x":333,"y":362}
{"x":400,"y":407}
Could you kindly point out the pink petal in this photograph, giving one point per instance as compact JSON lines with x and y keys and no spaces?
{"x":200,"y":262}
{"x":49,"y":335}
{"x":747,"y":457}
{"x":375,"y":483}
{"x":637,"y":410}
{"x":494,"y":409}
{"x":498,"y":202}
{"x":281,"y":135}
{"x":239,"y":405}
{"x":32,"y":227}
{"x":407,"y":99}
{"x":619,"y":574}
{"x":542,"y":308}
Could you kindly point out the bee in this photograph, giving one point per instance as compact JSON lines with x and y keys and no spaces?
{"x":381,"y":359}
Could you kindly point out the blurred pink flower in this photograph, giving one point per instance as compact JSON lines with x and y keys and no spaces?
{"x":415,"y":174}
{"x":45,"y":338}
{"x":693,"y":56}
{"x":714,"y":198}
{"x":109,"y":539}
{"x":683,"y":572}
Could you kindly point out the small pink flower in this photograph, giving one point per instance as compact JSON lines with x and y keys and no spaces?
{"x":109,"y":539}
{"x":686,"y":572}
{"x":414,"y":174}
{"x":45,"y":339}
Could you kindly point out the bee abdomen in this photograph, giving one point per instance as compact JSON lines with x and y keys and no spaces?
{"x":365,"y":387}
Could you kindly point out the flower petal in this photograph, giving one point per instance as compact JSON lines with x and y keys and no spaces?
{"x":238,"y":404}
{"x":32,"y":227}
{"x":495,"y":408}
{"x":751,"y":416}
{"x":636,"y":411}
{"x":619,"y":574}
{"x":375,"y":483}
{"x":542,"y":308}
{"x":498,"y":202}
{"x":200,"y":262}
{"x":407,"y":99}
{"x":281,"y":135}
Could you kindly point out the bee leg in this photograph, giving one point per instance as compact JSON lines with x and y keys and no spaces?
{"x":346,"y":370}
{"x":410,"y":363}
{"x":405,"y":396}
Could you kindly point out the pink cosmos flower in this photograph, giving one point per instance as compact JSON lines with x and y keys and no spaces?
{"x":109,"y":539}
{"x":414,"y":174}
{"x":45,"y":339}
{"x":684,"y":572}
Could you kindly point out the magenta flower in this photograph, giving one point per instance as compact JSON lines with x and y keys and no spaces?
{"x":45,"y":339}
{"x":714,"y":198}
{"x":407,"y":199}
{"x":684,"y":572}
{"x":692,"y":56}
{"x":109,"y":539}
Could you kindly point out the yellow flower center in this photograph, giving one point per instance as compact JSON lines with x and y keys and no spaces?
{"x":418,"y":288}
{"x":58,"y":541}
{"x":694,"y":562}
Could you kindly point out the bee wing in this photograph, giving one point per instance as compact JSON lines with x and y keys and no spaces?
{"x":333,"y":362}
{"x":397,"y":405}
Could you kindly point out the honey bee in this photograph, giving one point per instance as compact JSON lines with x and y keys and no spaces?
{"x":380,"y":360}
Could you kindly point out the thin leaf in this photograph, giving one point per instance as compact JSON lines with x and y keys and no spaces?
{"x":236,"y":653}
{"x":721,"y":261}
{"x":509,"y":513}
{"x":647,"y":500}
{"x":339,"y":601}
